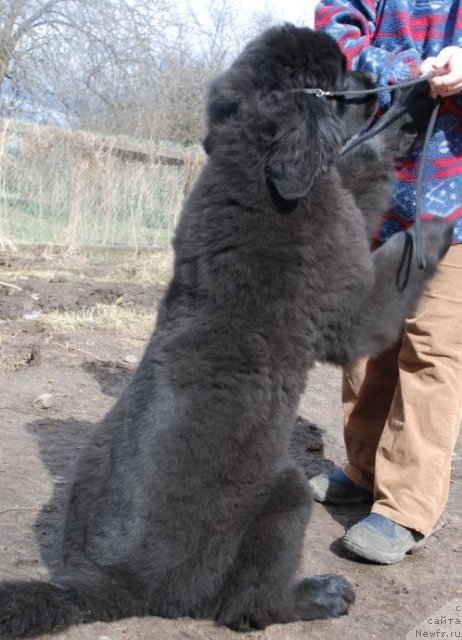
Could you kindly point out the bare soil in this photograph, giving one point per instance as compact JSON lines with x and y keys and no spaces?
{"x":84,"y":370}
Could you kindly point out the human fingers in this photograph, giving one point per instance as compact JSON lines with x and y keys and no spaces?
{"x":447,"y":66}
{"x":446,"y":85}
{"x":427,"y":66}
{"x":448,"y":58}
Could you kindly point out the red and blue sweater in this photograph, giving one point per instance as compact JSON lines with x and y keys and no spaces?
{"x":390,"y":38}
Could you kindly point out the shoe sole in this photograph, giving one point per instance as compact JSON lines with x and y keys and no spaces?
{"x":380,"y":558}
{"x":339,"y":501}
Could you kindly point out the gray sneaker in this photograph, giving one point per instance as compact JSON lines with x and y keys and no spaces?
{"x":379,"y":539}
{"x":334,"y":487}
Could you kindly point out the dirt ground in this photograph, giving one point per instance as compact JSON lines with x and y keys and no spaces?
{"x":72,"y":327}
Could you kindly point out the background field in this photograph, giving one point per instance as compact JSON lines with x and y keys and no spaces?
{"x":77,"y":189}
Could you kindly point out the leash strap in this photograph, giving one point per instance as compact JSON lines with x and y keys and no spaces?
{"x":373,"y":131}
{"x":402,"y":276}
{"x":404,"y":269}
{"x":420,"y":251}
{"x":320,"y":93}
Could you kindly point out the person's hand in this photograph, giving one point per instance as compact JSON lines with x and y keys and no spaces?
{"x":448,"y":67}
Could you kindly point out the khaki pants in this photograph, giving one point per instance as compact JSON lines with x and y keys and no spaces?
{"x":403,"y":409}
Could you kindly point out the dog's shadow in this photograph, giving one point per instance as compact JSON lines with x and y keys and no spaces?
{"x":112,"y":378}
{"x":60,"y":442}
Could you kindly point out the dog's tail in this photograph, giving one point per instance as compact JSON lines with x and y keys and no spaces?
{"x":29,"y":609}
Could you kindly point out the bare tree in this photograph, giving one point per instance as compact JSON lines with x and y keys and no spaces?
{"x":137,"y":67}
{"x":47,"y":46}
{"x":203,"y":41}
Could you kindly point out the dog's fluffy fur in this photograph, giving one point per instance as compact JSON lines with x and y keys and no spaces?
{"x":185,"y":501}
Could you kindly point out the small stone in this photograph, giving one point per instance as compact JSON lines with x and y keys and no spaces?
{"x":131,"y":359}
{"x":44,"y":401}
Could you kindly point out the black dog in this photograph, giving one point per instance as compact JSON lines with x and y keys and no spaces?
{"x":185,"y":501}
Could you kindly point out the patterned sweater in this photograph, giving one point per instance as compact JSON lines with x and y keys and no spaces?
{"x":390,"y":38}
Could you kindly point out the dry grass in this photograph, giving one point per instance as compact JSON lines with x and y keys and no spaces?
{"x":112,"y":318}
{"x":10,"y":362}
{"x":150,"y":269}
{"x":73,"y":188}
{"x":41,"y":274}
{"x":155,"y":267}
{"x":81,"y":331}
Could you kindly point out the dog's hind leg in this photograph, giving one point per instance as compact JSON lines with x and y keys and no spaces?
{"x":260,"y":587}
{"x":258,"y":590}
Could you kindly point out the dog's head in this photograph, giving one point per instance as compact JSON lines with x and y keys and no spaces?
{"x":297,"y":135}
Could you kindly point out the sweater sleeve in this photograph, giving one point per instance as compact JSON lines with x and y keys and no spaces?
{"x":352,"y":24}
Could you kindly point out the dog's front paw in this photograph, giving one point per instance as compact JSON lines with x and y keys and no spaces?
{"x":327,"y":596}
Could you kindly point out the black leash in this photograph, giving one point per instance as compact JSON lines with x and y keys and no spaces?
{"x":320,"y":93}
{"x":420,"y":252}
{"x":406,"y":259}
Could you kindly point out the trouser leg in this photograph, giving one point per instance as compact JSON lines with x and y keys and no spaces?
{"x":367,"y":393}
{"x":413,"y":461}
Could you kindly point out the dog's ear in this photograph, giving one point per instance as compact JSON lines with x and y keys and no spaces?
{"x":308,"y":141}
